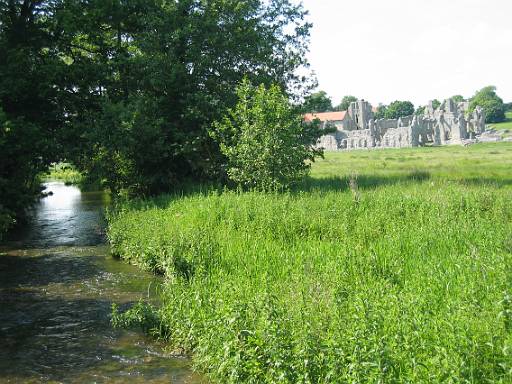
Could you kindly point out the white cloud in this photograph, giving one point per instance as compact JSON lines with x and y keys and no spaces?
{"x":385,"y":50}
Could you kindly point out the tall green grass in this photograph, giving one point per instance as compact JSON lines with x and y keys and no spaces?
{"x":402,"y":276}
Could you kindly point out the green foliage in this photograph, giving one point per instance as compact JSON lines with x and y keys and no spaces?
{"x":163,"y":73}
{"x":19,"y":170}
{"x":457,"y":98}
{"x":506,"y":126}
{"x":491,"y":103}
{"x":381,"y":112}
{"x":420,"y":110}
{"x":399,"y":109}
{"x":141,"y":315}
{"x":317,"y":102}
{"x":400,"y":275}
{"x":267,"y":144}
{"x":65,"y":172}
{"x":345,"y":103}
{"x":127,"y":90}
{"x":29,"y":103}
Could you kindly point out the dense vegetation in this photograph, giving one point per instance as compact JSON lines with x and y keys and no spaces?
{"x":267,"y":144}
{"x":63,"y":172}
{"x":29,"y":104}
{"x":400,"y":273}
{"x":398,"y":109}
{"x":491,"y":103}
{"x":127,"y":90}
{"x":317,"y":102}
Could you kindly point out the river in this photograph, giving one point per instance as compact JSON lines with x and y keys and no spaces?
{"x":57,"y":285}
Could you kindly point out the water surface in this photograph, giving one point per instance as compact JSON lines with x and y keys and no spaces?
{"x":57,"y":285}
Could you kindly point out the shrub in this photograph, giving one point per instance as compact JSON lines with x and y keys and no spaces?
{"x":267,"y":144}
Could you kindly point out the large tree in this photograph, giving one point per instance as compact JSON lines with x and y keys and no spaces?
{"x":345,"y":103}
{"x":127,"y":89}
{"x":31,"y":116}
{"x":491,"y":103}
{"x":159,"y":73}
{"x":399,"y":109}
{"x":317,"y":102}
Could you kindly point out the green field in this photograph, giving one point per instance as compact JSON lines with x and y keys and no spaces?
{"x":506,"y":125}
{"x":389,"y":266}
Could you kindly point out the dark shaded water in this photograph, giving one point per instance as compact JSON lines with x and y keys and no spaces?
{"x":57,"y":284}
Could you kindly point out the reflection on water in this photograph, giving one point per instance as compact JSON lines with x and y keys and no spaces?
{"x":68,"y":217}
{"x":57,"y":284}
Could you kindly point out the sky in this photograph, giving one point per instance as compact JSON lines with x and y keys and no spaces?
{"x":417,"y":50}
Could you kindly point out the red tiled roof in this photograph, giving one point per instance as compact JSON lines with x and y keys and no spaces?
{"x":325,"y":116}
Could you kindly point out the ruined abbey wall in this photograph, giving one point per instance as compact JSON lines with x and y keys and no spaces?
{"x":449,"y":124}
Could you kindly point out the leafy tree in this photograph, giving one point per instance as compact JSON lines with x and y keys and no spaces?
{"x":457,"y":98}
{"x":318,"y":102}
{"x":399,"y":109}
{"x":381,"y":112}
{"x":267,"y":144}
{"x":345,"y":103}
{"x":30,"y":113}
{"x":436,"y":103}
{"x":420,"y":110}
{"x":491,"y":103}
{"x":158,"y":74}
{"x":127,"y":89}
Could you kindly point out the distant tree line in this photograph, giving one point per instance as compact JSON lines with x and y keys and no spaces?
{"x":487,"y":98}
{"x":128,"y":90}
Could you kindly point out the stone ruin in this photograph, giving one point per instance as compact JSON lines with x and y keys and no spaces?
{"x":357,"y":128}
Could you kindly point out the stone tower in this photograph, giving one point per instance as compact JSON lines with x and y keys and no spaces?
{"x":361,"y":113}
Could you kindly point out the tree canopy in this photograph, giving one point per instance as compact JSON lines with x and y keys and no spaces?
{"x":436,"y":103}
{"x":381,"y":112}
{"x":399,"y":109}
{"x":420,"y":110}
{"x":317,"y":102}
{"x":345,"y":103}
{"x":127,"y":89}
{"x":491,"y":103}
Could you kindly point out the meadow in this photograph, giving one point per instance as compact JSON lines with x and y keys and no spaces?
{"x":387,"y":266}
{"x":506,"y":125}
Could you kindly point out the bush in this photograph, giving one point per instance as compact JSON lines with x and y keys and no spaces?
{"x":267,"y":144}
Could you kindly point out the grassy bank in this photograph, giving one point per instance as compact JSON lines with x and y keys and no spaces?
{"x":63,"y":172}
{"x":401,"y":274}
